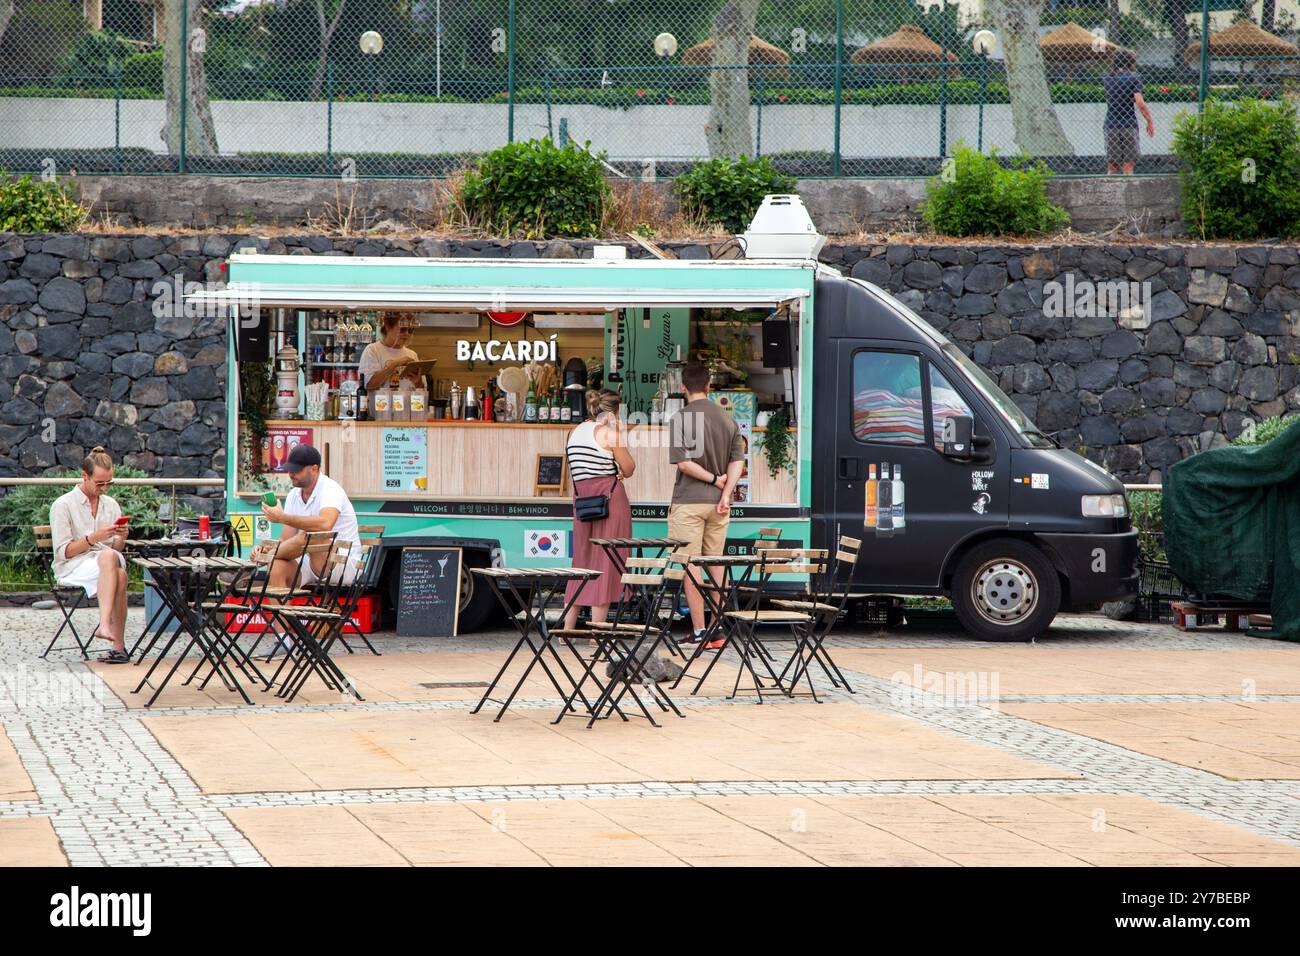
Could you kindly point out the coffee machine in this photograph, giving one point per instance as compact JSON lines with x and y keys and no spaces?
{"x":575,"y":388}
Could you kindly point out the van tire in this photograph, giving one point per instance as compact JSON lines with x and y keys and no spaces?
{"x":1005,"y":590}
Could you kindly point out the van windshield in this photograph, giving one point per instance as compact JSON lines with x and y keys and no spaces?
{"x":995,"y":396}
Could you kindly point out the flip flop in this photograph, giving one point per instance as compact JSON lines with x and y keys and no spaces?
{"x":114,"y":657}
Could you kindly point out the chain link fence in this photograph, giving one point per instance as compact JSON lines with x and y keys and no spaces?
{"x":379,"y":88}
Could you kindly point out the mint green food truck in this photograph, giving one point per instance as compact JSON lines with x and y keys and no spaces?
{"x":888,"y":432}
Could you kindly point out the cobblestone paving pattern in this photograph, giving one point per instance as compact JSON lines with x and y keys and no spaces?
{"x":115,"y":796}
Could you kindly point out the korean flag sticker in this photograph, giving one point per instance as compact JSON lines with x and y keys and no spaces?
{"x":1039,"y":481}
{"x":546,"y":544}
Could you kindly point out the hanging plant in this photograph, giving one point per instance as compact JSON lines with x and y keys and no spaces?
{"x":257,"y":393}
{"x":777,"y":444}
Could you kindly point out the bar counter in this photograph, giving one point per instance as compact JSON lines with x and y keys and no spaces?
{"x":466,"y":460}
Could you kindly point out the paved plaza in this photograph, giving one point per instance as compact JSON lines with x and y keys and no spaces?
{"x":1102,"y":744}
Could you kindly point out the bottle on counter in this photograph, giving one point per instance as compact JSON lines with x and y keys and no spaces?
{"x":471,"y":405}
{"x":418,"y":410}
{"x":363,"y":401}
{"x":566,"y":413}
{"x":488,"y":403}
{"x":530,"y":405}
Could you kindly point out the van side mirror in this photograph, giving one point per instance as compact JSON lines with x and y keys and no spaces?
{"x":962,"y":444}
{"x":957,"y":436}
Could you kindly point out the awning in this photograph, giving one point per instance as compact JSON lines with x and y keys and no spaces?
{"x":481,"y":299}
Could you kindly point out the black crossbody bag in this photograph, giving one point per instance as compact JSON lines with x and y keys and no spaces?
{"x":589,"y":507}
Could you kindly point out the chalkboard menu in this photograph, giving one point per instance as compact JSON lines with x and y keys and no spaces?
{"x":550,"y":473}
{"x":428,"y":599}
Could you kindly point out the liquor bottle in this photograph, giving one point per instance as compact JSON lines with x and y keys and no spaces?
{"x":566,"y":413}
{"x":900,"y":518}
{"x":556,"y":402}
{"x":530,"y":405}
{"x":885,"y":500}
{"x":872,"y":515}
{"x":487,"y":401}
{"x":363,"y":401}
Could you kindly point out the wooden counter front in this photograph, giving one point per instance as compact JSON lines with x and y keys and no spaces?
{"x":499,"y":459}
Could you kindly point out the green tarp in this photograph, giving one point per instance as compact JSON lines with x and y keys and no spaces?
{"x":1232,"y":525}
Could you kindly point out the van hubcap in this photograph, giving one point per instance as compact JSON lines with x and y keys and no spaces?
{"x":1004,"y":591}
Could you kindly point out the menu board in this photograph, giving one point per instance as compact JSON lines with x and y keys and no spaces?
{"x":428,"y":597}
{"x":405,"y":459}
{"x":550,"y":473}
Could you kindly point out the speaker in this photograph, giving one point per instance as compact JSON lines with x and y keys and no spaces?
{"x":253,"y":334}
{"x":776,"y":344}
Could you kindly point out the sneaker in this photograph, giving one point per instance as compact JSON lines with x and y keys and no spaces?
{"x":692,"y":638}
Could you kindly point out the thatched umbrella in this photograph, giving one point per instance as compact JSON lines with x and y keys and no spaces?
{"x":760,"y":53}
{"x":1072,"y":45}
{"x":907,"y":46}
{"x":1245,"y":40}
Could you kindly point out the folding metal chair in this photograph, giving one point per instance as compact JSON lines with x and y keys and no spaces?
{"x":317,"y":542}
{"x":824,"y":609}
{"x":62,"y":593}
{"x":625,"y":646}
{"x":315,"y":627}
{"x":246,"y":597}
{"x":370,"y":536}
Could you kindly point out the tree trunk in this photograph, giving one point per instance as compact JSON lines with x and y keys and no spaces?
{"x":6,"y":13}
{"x":1037,"y":127}
{"x":326,"y":35}
{"x":728,"y":132}
{"x":1176,"y":18}
{"x":200,"y":132}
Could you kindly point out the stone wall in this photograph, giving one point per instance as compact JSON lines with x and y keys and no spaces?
{"x":1146,"y":204}
{"x":1210,"y":341}
{"x":1213,"y":342}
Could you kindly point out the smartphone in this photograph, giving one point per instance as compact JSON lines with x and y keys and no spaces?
{"x":121,"y":522}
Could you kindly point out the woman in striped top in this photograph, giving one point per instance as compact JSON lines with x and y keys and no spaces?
{"x":598,"y":463}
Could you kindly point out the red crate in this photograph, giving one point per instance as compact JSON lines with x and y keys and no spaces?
{"x":364,"y":619}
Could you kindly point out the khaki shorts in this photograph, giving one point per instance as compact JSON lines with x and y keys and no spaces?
{"x":700,"y":526}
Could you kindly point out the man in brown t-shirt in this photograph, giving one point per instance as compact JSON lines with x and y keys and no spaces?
{"x":709,"y":454}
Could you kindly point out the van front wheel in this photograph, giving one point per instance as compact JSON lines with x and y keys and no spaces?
{"x":1005,"y":590}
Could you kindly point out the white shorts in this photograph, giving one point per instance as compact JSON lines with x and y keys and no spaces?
{"x":85,"y":573}
{"x":307,"y":574}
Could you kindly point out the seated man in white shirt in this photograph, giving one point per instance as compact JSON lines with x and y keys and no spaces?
{"x":318,"y":503}
{"x":88,"y":544}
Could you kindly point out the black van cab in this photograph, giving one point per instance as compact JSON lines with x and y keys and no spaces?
{"x":952,"y":488}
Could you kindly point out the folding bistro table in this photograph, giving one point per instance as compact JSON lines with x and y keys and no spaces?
{"x":169,"y":547}
{"x":532,"y":589}
{"x":612,"y":548}
{"x":185,"y":585}
{"x":724,"y":596}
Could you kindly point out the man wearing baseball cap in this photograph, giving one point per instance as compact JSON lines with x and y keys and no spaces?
{"x":318,"y":503}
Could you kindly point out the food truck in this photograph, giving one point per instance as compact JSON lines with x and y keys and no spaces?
{"x":890,"y":433}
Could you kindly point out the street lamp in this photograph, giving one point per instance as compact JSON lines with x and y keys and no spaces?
{"x":983,"y":43}
{"x":371,"y":44}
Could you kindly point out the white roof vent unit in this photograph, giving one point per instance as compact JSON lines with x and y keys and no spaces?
{"x":782,"y":229}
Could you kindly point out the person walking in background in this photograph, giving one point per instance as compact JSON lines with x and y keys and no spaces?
{"x":707,"y":448}
{"x":598,"y":462}
{"x":88,"y":545}
{"x":1123,"y":95}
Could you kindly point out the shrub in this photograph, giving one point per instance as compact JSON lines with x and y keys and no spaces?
{"x":729,"y":191}
{"x":1145,"y":510}
{"x":1265,"y":431}
{"x":537,"y":188}
{"x":28,"y":505}
{"x":95,"y":59}
{"x":144,"y":71}
{"x":29,"y":205}
{"x":977,"y":195}
{"x":1240,"y":170}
